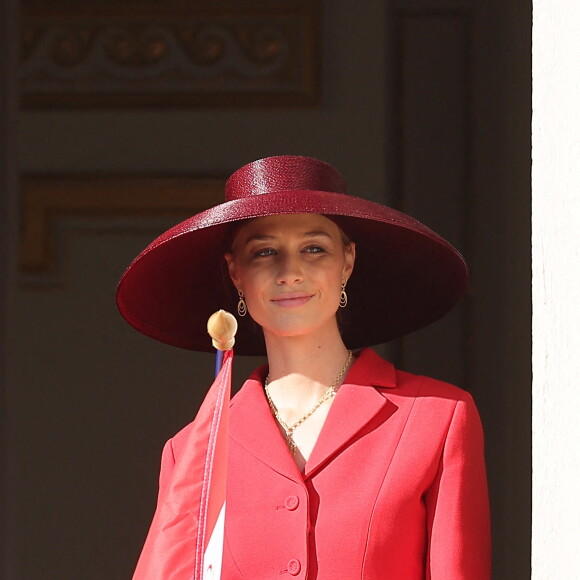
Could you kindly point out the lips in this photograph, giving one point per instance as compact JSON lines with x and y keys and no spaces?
{"x":291,"y":300}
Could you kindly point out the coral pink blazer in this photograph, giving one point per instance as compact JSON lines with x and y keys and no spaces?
{"x":395,"y":487}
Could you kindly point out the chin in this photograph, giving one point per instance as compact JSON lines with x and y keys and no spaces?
{"x":295,"y":328}
{"x":287,"y":330}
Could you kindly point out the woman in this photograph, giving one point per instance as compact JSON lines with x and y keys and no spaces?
{"x":340,"y":466}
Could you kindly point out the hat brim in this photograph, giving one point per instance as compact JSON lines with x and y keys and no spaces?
{"x":405,"y":276}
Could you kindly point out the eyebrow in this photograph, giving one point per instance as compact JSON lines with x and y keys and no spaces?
{"x":267,"y":237}
{"x":316,"y":233}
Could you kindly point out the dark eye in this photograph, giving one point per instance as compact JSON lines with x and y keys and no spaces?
{"x":263,"y":252}
{"x":314,"y":249}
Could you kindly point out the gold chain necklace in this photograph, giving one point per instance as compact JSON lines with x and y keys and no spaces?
{"x":289,"y":429}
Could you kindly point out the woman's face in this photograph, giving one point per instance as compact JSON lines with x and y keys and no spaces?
{"x":290,"y":268}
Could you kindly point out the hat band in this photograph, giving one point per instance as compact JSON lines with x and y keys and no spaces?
{"x":284,"y":173}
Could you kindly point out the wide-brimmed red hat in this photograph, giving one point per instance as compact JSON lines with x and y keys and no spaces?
{"x":405,"y":276}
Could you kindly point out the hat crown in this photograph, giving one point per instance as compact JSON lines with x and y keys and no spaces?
{"x":283,"y":173}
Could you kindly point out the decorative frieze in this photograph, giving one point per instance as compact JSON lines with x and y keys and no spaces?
{"x":227,"y":53}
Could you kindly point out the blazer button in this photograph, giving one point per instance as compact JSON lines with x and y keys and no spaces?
{"x":294,"y":567}
{"x":291,"y":502}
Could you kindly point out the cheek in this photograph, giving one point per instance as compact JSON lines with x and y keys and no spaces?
{"x":333,"y":275}
{"x":242,"y":275}
{"x":253,"y":286}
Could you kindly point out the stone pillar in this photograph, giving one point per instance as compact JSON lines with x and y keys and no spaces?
{"x":556,"y":279}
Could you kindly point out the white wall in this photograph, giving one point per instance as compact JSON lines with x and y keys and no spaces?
{"x":556,"y":280}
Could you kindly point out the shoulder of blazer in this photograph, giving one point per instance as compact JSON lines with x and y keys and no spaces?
{"x":429,"y":387}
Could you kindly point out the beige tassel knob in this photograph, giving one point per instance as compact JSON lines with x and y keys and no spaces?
{"x":222,"y":327}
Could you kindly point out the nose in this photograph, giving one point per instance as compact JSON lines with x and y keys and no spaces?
{"x":290,"y":270}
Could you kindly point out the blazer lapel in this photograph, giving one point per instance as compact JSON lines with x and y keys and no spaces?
{"x":356,"y":404}
{"x":253,"y":426}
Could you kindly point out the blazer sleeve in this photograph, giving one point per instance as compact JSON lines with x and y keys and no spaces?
{"x":167,"y":463}
{"x":457,"y":503}
{"x":149,"y":563}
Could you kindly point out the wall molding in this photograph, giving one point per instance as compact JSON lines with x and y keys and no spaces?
{"x":52,"y":205}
